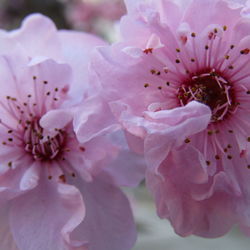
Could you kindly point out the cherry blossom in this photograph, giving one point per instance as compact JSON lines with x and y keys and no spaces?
{"x":56,"y":190}
{"x":178,"y":83}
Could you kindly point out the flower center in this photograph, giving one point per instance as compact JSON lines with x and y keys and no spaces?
{"x":211,"y":89}
{"x":43,"y":148}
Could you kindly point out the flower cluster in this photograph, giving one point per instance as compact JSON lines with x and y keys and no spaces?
{"x":80,"y":118}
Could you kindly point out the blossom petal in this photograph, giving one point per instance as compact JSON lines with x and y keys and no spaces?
{"x":45,"y":43}
{"x":31,"y":177}
{"x":44,"y":217}
{"x":127,"y":168}
{"x":77,"y":48}
{"x":109,"y":223}
{"x":6,"y":239}
{"x":94,"y":119}
{"x":57,"y":118}
{"x":216,"y":7}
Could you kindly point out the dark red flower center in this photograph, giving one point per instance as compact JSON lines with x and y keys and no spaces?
{"x":43,"y":148}
{"x":211,"y":89}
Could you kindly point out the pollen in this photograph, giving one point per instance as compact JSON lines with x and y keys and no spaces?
{"x":245,"y":51}
{"x":212,"y":89}
{"x":148,"y":51}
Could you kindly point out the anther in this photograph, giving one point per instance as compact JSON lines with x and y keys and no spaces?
{"x":209,"y":132}
{"x":217,"y":157}
{"x":62,"y":178}
{"x":147,"y":51}
{"x":245,"y":51}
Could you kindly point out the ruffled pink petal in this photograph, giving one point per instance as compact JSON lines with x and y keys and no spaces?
{"x":77,"y":48}
{"x":93,"y":119}
{"x":175,"y":125}
{"x":241,"y":30}
{"x":11,"y":69}
{"x":45,"y":43}
{"x":216,"y":7}
{"x":170,"y":12}
{"x":109,"y":223}
{"x":210,"y":216}
{"x":44,"y":217}
{"x":127,"y":168}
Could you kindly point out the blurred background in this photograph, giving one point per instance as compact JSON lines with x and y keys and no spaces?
{"x":100,"y":17}
{"x":94,"y":16}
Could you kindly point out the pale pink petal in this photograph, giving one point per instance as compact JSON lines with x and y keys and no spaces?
{"x":93,"y":119}
{"x":30,"y":178}
{"x":45,"y":43}
{"x":57,"y":118}
{"x":108,"y":224}
{"x":216,"y":7}
{"x":127,"y":168}
{"x":77,"y":48}
{"x":58,"y":210}
{"x":6,"y":239}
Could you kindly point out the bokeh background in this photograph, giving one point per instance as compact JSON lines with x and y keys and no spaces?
{"x":94,"y":16}
{"x":101,"y":17}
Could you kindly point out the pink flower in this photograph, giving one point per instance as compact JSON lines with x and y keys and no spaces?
{"x":179,"y":85}
{"x":56,"y":191}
